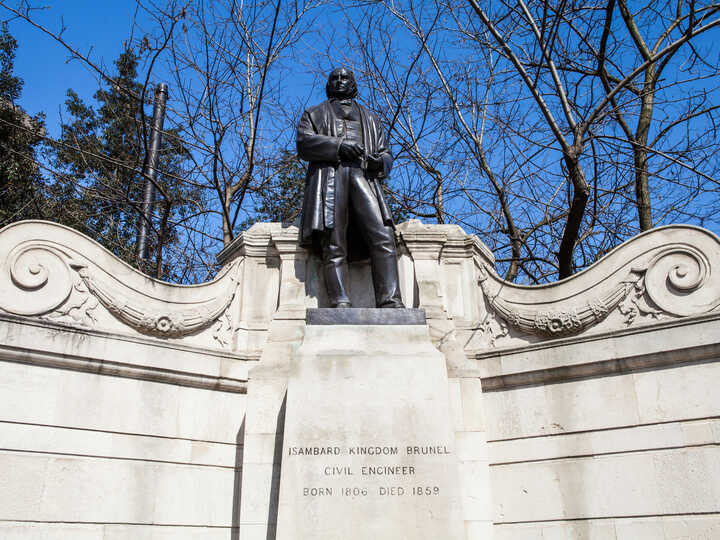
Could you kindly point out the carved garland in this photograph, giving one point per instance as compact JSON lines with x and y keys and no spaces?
{"x":675,"y":282}
{"x":562,"y":321}
{"x":166,"y":323}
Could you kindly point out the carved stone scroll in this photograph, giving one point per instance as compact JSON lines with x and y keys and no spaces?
{"x":54,"y":273}
{"x":36,"y":279}
{"x":666,"y":272}
{"x":679,"y":281}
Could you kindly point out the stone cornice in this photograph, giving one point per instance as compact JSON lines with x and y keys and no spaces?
{"x":664,"y":344}
{"x":59,"y":327}
{"x":101,"y":353}
{"x":100,"y":366}
{"x":589,"y":339}
{"x":611,"y":366}
{"x":256,"y":241}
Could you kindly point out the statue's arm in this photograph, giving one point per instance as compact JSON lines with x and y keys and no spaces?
{"x":311,"y":145}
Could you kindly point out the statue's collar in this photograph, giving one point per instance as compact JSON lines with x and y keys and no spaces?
{"x":346,"y":101}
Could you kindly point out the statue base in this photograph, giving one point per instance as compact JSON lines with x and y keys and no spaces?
{"x":368,"y":444}
{"x":366,"y":316}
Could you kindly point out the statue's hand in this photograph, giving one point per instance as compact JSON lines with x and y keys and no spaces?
{"x":350,"y":151}
{"x":374,"y":163}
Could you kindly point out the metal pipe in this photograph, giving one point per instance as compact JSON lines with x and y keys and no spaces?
{"x":150,"y":171}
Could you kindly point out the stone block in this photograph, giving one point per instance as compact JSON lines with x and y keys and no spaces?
{"x":158,"y":532}
{"x":577,"y":530}
{"x":455,"y":398}
{"x":575,"y":489}
{"x":35,"y":438}
{"x":254,"y":531}
{"x":639,"y":529}
{"x":257,"y":503}
{"x":265,"y":402}
{"x":475,"y":491}
{"x":35,"y":487}
{"x":260,"y":448}
{"x":479,"y":530}
{"x":40,"y":395}
{"x":652,"y":437}
{"x":51,"y":531}
{"x":368,"y":448}
{"x":688,"y":479}
{"x":472,"y":446}
{"x":682,"y":392}
{"x":691,"y":527}
{"x":560,"y":408}
{"x":472,"y":405}
{"x":661,"y":482}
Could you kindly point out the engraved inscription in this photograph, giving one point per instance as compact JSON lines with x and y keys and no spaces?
{"x":372,"y":465}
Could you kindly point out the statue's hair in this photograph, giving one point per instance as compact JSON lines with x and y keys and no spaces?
{"x":353,"y":87}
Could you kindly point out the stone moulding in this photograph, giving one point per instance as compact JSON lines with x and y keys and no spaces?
{"x":52,"y":272}
{"x":123,"y":370}
{"x":666,"y":272}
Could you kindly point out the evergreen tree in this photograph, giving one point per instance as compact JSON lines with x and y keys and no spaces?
{"x":21,"y":187}
{"x":280,"y":199}
{"x":100,"y":156}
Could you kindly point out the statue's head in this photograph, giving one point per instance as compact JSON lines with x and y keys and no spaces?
{"x":341,"y":84}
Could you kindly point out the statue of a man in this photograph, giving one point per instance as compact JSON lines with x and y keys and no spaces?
{"x":344,"y":213}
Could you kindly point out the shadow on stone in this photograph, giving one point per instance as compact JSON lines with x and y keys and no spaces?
{"x":237,"y":484}
{"x":277,"y":463}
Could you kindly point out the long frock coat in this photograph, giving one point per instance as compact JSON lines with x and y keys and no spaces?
{"x":318,"y":142}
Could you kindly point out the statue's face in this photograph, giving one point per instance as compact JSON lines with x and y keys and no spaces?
{"x":341,"y":84}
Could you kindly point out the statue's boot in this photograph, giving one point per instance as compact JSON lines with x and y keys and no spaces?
{"x":336,"y":280}
{"x":386,"y":281}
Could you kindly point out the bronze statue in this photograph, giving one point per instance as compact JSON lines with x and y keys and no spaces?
{"x":344,"y":213}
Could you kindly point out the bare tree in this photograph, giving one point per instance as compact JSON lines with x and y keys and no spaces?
{"x":536,"y":38}
{"x":228,"y":63}
{"x":230,"y":66}
{"x":552,"y":129}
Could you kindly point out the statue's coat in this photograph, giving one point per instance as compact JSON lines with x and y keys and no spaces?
{"x":318,"y":143}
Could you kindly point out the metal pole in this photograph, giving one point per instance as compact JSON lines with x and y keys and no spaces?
{"x":150,"y":171}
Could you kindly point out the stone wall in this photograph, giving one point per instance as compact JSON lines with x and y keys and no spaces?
{"x":132,"y":408}
{"x":121,"y":401}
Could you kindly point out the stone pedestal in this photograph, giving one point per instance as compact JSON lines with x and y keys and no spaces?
{"x":368,"y":446}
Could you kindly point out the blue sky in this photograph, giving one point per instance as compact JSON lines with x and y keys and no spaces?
{"x":98,"y":27}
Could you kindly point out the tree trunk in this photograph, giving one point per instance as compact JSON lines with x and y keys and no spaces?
{"x":581,"y":192}
{"x":640,"y":155}
{"x":516,"y":246}
{"x":227,"y":233}
{"x":162,"y":238}
{"x":439,"y":206}
{"x":227,"y":224}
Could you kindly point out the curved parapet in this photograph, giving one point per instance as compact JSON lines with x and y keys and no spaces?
{"x":51,"y":272}
{"x":671,"y":271}
{"x":55,"y":273}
